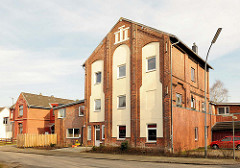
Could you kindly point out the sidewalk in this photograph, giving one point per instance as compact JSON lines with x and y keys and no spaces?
{"x":74,"y":152}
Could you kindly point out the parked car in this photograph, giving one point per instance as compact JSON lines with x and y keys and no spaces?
{"x":226,"y":142}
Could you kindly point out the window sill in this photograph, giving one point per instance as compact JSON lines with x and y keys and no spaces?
{"x":61,"y":117}
{"x":97,"y":83}
{"x":81,"y":116}
{"x":151,"y":70}
{"x":73,"y":137}
{"x":151,"y":142}
{"x":121,"y":139}
{"x":121,"y":77}
{"x":97,"y":110}
{"x":121,"y":108}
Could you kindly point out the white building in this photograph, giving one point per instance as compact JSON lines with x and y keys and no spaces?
{"x":5,"y":125}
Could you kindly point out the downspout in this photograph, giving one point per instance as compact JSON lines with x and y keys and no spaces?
{"x":172,"y":97}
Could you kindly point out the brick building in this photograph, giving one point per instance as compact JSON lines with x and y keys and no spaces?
{"x":69,"y":123}
{"x":224,"y":121}
{"x":128,"y":90}
{"x":32,"y":113}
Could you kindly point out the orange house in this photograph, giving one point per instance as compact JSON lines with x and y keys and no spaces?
{"x":33,"y":113}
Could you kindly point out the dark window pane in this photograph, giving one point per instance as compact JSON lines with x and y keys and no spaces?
{"x":122,"y":101}
{"x":97,"y":104}
{"x":122,"y":131}
{"x":152,"y":126}
{"x":236,"y":138}
{"x":122,"y":71}
{"x":98,"y":77}
{"x":70,"y":132}
{"x":76,"y":132}
{"x":97,"y":134}
{"x":152,"y":63}
{"x":220,"y":110}
{"x":152,"y":135}
{"x":227,"y":139}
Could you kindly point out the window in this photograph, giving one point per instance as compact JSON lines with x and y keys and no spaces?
{"x":203,"y":106}
{"x":89,"y":137}
{"x":62,"y":113}
{"x":122,"y":132}
{"x":103,"y":131}
{"x":21,"y":110}
{"x":223,"y":110}
{"x":121,"y":101}
{"x":122,"y":71}
{"x":193,"y":103}
{"x":5,"y":120}
{"x":151,"y":63}
{"x":227,"y":139}
{"x":20,"y":128}
{"x":236,"y":138}
{"x":152,"y":132}
{"x":196,"y":133}
{"x":81,"y":110}
{"x":11,"y":115}
{"x":73,"y":133}
{"x":193,"y":74}
{"x":98,"y":77}
{"x":97,"y":104}
{"x":179,"y":99}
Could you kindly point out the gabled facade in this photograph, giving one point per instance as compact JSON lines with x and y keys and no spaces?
{"x":5,"y":125}
{"x":33,"y":113}
{"x":70,"y":123}
{"x":128,"y":90}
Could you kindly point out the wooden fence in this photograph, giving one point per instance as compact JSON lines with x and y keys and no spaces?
{"x":34,"y":140}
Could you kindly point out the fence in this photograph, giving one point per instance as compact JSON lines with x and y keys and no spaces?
{"x":34,"y":140}
{"x":4,"y":141}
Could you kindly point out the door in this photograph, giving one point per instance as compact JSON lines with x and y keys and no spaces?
{"x":97,"y":135}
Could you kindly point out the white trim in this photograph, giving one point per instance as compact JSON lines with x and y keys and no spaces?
{"x":225,"y":110}
{"x":79,"y":108}
{"x":118,"y":132}
{"x":150,"y":70}
{"x":118,"y":101}
{"x":73,"y":133}
{"x":151,"y":129}
{"x":118,"y":77}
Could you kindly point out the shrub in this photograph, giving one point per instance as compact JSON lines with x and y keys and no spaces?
{"x":124,"y":146}
{"x":94,"y":148}
{"x":52,"y":145}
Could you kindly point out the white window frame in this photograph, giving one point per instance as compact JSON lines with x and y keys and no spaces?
{"x":20,"y":110}
{"x":60,"y":111}
{"x":179,"y":103}
{"x":194,"y":103}
{"x":73,"y":133}
{"x":79,"y":108}
{"x":196,"y":133}
{"x":95,"y":78}
{"x":118,"y":71}
{"x":119,"y":101}
{"x":203,"y":106}
{"x":193,"y":75}
{"x":147,"y":70}
{"x":152,"y":129}
{"x":5,"y":120}
{"x":119,"y":132}
{"x":103,"y":131}
{"x":95,"y":105}
{"x":89,"y":133}
{"x":225,"y":110}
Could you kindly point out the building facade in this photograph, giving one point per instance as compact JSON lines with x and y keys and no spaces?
{"x":5,"y":124}
{"x":33,"y":113}
{"x":128,"y":90}
{"x":70,"y":123}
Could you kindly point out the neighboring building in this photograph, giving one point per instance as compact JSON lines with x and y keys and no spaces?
{"x":128,"y":90}
{"x":5,"y":125}
{"x":70,"y":123}
{"x":224,"y":122}
{"x":11,"y":118}
{"x":33,"y":113}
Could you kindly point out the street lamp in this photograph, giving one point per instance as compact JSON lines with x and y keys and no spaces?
{"x":205,"y":87}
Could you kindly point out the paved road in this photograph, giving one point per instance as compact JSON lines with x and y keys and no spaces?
{"x":40,"y":161}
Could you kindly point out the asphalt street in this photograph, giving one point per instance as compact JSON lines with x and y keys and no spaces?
{"x":40,"y":161}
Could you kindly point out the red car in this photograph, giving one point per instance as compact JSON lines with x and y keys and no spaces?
{"x":226,"y":142}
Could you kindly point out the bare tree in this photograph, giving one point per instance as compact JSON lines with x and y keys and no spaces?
{"x":218,"y":93}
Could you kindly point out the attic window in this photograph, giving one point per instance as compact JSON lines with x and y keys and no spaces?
{"x":121,"y":35}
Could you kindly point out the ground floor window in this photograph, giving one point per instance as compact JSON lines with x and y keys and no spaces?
{"x":196,"y":133}
{"x":89,"y":137}
{"x":73,"y":133}
{"x":152,"y":132}
{"x":5,"y":120}
{"x":122,"y":132}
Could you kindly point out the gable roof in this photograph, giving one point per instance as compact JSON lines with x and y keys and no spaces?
{"x":40,"y":101}
{"x":228,"y":104}
{"x":70,"y":104}
{"x":1,"y":108}
{"x":173,"y":38}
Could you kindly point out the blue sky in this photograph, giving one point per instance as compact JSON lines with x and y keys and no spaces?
{"x":44,"y":43}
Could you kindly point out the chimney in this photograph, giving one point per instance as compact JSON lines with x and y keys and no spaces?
{"x":195,"y":48}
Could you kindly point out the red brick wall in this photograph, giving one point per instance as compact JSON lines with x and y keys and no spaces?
{"x":235,"y":110}
{"x":72,"y":120}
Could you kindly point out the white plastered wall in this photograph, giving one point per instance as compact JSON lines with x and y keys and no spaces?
{"x":121,"y":86}
{"x":151,"y":92}
{"x":5,"y":129}
{"x":97,"y":93}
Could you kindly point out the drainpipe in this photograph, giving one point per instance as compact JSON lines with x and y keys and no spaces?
{"x":172,"y":98}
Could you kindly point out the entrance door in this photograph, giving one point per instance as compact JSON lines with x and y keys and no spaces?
{"x":97,"y":135}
